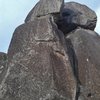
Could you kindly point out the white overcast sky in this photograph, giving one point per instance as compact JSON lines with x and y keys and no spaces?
{"x":13,"y":13}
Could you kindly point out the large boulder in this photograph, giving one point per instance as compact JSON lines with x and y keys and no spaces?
{"x":76,"y":15}
{"x":86,"y":45}
{"x":45,"y":7}
{"x":39,"y":66}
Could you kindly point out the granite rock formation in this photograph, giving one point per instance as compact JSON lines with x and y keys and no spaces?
{"x":76,"y":15}
{"x":87,"y":49}
{"x":54,"y":55}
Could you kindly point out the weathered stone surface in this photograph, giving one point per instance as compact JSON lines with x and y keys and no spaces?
{"x":3,"y":62}
{"x":86,"y":44}
{"x":53,"y":56}
{"x":3,"y":70}
{"x":39,"y":67}
{"x":74,"y":15}
{"x":44,"y":7}
{"x":3,"y":56}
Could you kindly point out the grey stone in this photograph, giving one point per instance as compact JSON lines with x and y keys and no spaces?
{"x":3,"y":62}
{"x":86,"y":45}
{"x":39,"y":66}
{"x":45,"y":7}
{"x":3,"y":70}
{"x":76,"y":15}
{"x":3,"y":56}
{"x":54,"y":55}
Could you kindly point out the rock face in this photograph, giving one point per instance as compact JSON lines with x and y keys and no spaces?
{"x":3,"y":67}
{"x":45,"y":7}
{"x":77,"y":15}
{"x":54,"y":55}
{"x":86,"y":44}
{"x":39,"y":62}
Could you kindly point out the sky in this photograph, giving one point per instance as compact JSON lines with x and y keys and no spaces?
{"x":14,"y":12}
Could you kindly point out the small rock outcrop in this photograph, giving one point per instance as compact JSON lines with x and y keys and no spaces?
{"x":54,"y":55}
{"x":45,"y":7}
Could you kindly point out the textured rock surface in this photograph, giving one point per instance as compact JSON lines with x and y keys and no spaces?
{"x":45,"y":7}
{"x":86,"y":44}
{"x":3,"y":56}
{"x":54,"y":55}
{"x":39,"y":67}
{"x":3,"y":71}
{"x":3,"y":62}
{"x":74,"y":15}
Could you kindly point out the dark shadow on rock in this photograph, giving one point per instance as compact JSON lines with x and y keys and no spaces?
{"x":74,"y":64}
{"x":65,"y":23}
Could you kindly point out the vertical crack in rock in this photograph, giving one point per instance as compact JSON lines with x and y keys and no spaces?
{"x":86,"y":46}
{"x":74,"y":64}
